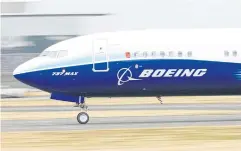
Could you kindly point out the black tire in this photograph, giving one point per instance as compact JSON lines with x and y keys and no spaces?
{"x":81,"y":121}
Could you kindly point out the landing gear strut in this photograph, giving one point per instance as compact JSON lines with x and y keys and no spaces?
{"x":82,"y":117}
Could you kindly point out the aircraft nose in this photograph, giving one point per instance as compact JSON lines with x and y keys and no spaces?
{"x":30,"y":73}
{"x":22,"y":72}
{"x":20,"y":69}
{"x":28,"y":66}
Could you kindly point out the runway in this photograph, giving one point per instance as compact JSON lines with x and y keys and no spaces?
{"x":121,"y":122}
{"x":230,"y":106}
{"x":179,"y":114}
{"x":43,"y":117}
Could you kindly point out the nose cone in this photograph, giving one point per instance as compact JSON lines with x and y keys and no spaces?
{"x":21,"y":69}
{"x":29,"y":66}
{"x":20,"y":72}
{"x":24,"y":71}
{"x":31,"y":73}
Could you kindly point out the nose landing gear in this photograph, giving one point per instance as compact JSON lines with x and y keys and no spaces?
{"x":82,"y":117}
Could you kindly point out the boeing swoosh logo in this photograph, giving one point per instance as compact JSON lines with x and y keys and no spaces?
{"x":124,"y":75}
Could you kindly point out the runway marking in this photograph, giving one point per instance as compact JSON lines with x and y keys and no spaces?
{"x":126,"y":101}
{"x":208,"y":138}
{"x":116,"y":113}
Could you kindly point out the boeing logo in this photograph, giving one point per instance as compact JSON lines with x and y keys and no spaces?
{"x":173,"y":73}
{"x":124,"y":75}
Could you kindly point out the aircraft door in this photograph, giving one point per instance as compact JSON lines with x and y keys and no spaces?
{"x":100,"y":55}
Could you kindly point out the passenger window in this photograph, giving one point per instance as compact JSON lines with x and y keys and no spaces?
{"x":136,"y":54}
{"x":62,"y":53}
{"x":179,"y":54}
{"x":226,"y":53}
{"x":162,"y":53}
{"x":145,"y":54}
{"x":189,"y":53}
{"x":153,"y":54}
{"x":235,"y":53}
{"x":171,"y":53}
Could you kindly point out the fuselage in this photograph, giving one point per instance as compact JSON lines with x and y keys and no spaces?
{"x":140,"y":63}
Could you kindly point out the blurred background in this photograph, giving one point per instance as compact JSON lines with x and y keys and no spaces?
{"x":30,"y":26}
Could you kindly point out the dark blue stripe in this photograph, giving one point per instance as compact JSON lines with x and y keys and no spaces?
{"x":219,"y":79}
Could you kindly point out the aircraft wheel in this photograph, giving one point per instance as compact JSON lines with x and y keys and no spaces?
{"x":83,"y":118}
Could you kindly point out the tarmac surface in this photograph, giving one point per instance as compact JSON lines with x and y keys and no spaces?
{"x":180,"y":124}
{"x":231,"y":106}
{"x":121,"y":122}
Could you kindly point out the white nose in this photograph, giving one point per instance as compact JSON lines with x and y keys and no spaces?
{"x":22,"y":68}
{"x":28,"y":66}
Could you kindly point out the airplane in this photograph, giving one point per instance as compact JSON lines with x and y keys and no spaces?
{"x":137,"y":63}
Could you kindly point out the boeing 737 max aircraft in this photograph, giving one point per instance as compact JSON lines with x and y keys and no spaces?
{"x":138,"y":63}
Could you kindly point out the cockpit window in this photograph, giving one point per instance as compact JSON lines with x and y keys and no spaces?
{"x":43,"y":54}
{"x":54,"y":54}
{"x":62,"y":53}
{"x":51,"y":54}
